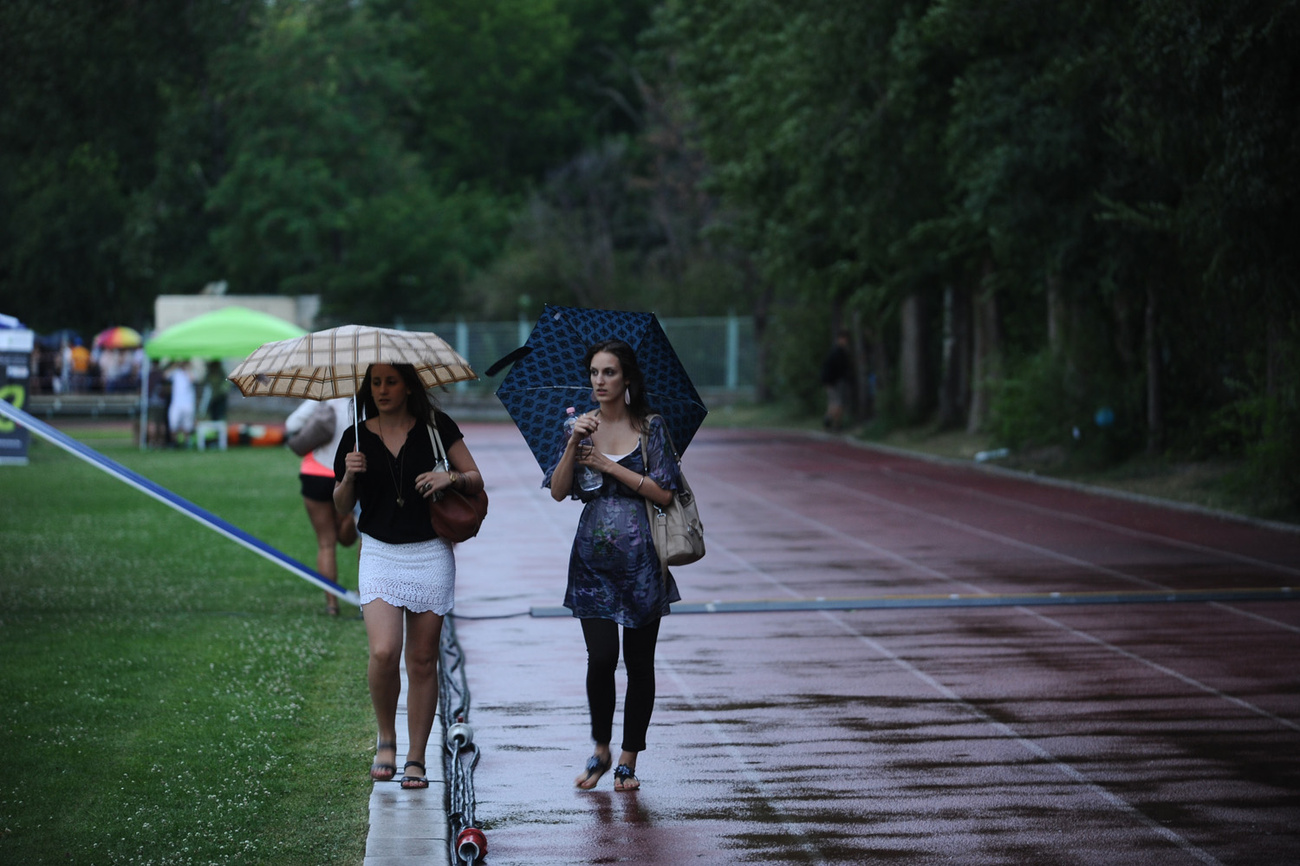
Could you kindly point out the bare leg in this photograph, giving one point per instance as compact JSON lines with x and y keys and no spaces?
{"x":384,"y":633}
{"x":324,"y":521}
{"x":424,"y":633}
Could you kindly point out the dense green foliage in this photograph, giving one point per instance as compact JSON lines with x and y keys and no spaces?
{"x":1031,"y":211}
{"x":1093,"y":198}
{"x":170,"y":697}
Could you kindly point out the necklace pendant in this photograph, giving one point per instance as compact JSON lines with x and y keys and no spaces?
{"x":400,"y":501}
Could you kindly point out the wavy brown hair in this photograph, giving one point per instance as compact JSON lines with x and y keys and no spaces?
{"x":634,"y":380}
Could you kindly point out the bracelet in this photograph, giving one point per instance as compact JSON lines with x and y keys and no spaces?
{"x":453,"y":475}
{"x":638,"y":485}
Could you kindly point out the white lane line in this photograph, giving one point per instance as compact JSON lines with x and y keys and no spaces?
{"x":793,"y":515}
{"x":1051,"y":554}
{"x":1072,"y":517}
{"x":741,"y":760}
{"x":1167,"y":671}
{"x":1029,"y":745}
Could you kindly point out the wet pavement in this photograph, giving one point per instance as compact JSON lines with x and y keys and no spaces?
{"x":410,"y":826}
{"x":945,"y":720}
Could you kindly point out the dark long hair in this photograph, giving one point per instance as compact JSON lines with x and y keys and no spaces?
{"x":419,"y":403}
{"x":632,"y":376}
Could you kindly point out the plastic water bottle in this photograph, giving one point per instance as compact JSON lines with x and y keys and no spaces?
{"x":588,"y":479}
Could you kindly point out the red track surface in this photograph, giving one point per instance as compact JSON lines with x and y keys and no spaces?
{"x":1161,"y":733}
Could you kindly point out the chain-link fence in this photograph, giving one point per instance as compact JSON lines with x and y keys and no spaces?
{"x":718,"y":352}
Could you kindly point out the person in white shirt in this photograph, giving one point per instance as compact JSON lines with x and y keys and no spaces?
{"x":180,"y":413}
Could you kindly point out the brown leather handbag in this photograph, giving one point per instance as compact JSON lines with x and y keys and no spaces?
{"x":455,"y":516}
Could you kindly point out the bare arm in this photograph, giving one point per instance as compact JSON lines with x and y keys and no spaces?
{"x":643,"y":485}
{"x":345,"y":491}
{"x":463,"y":476}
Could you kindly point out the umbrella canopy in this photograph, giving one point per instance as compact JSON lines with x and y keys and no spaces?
{"x":548,"y":377}
{"x":119,"y":337}
{"x":328,"y":364}
{"x":230,"y":332}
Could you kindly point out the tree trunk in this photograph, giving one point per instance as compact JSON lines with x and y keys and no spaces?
{"x":954,"y":387}
{"x":1155,"y":419}
{"x":1273,"y":357}
{"x":986,"y":355}
{"x":863,"y":342}
{"x":759,"y":289}
{"x":882,"y":368}
{"x":838,"y":324}
{"x":911,"y":361}
{"x":1055,"y":313}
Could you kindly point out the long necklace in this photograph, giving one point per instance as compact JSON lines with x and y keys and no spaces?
{"x":401,"y":466}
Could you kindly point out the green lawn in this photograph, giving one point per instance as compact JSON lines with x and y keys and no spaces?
{"x":167,"y":696}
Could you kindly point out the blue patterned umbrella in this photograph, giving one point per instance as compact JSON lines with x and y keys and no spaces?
{"x":547,"y":376}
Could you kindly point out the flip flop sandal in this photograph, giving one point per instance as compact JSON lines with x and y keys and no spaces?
{"x":419,"y":781}
{"x":623,"y":776}
{"x":595,"y":769}
{"x":383,"y":772}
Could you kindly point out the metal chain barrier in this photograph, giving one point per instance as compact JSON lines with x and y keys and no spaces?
{"x":468,"y":843}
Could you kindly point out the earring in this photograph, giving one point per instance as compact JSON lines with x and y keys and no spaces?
{"x":627,"y":397}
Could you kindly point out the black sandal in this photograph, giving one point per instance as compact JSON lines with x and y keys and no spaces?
{"x":623,"y":776}
{"x":595,"y":769}
{"x":419,"y":781}
{"x":383,"y":772}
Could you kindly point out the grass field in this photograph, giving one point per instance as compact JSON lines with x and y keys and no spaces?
{"x":166,"y":696}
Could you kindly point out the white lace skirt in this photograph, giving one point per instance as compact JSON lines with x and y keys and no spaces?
{"x":420,"y":576}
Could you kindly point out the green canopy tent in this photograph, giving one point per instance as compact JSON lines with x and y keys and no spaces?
{"x":230,"y":332}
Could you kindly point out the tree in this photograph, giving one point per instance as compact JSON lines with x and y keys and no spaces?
{"x":321,"y":195}
{"x":88,"y":89}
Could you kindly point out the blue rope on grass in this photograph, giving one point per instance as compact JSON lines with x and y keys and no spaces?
{"x":165,"y":496}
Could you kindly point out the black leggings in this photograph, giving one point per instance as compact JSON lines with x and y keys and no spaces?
{"x":639,"y":660}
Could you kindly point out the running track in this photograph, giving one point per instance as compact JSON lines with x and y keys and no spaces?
{"x":1030,"y":674}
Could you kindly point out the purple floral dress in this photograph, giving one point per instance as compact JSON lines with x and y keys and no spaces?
{"x":613,"y":569}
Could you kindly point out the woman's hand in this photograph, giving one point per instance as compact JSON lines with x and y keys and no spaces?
{"x":583,"y":427}
{"x":345,"y":491}
{"x":587,"y":455}
{"x":354,"y":463}
{"x":432,"y":484}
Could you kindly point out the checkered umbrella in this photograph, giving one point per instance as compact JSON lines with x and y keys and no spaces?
{"x":328,"y":364}
{"x":547,"y":376}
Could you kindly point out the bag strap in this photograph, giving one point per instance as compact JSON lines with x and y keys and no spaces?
{"x":439,"y":452}
{"x":650,"y":508}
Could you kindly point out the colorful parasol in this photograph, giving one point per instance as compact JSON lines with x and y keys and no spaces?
{"x":119,"y":337}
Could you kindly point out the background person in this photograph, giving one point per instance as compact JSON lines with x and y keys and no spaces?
{"x":407,"y":574}
{"x":316,"y":481}
{"x":614,"y":574}
{"x":216,"y":387}
{"x":180,"y":410}
{"x":837,"y":376}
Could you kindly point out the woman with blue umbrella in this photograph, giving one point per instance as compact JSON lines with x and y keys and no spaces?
{"x":615,"y":579}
